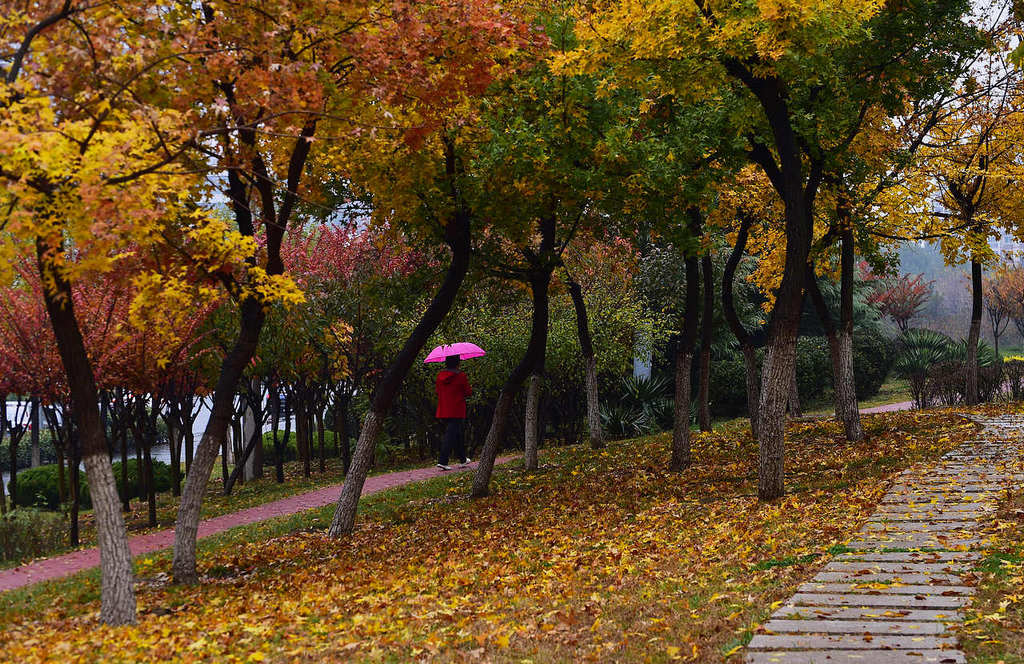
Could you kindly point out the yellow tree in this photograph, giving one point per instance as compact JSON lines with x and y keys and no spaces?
{"x":805,"y":74}
{"x":86,"y":183}
{"x":975,"y":159}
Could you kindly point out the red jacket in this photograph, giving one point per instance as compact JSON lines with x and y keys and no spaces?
{"x":452,"y":389}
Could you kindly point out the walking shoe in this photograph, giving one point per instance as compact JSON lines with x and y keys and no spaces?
{"x":443,"y":467}
{"x":467,"y":461}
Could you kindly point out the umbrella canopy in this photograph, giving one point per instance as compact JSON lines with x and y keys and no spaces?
{"x":463,"y":349}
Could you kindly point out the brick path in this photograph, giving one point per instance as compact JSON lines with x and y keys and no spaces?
{"x":71,"y":563}
{"x":887,"y":601}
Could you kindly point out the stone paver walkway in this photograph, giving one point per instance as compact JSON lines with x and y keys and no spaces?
{"x":77,"y":561}
{"x":893,"y":598}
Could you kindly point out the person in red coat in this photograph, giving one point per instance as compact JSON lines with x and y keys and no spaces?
{"x":452,"y":389}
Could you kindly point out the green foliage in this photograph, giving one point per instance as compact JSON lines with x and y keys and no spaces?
{"x":291,"y":446}
{"x":643,"y":406}
{"x":27,"y":533}
{"x":161,"y":479}
{"x":47,"y":452}
{"x":38,"y":487}
{"x":873,"y":353}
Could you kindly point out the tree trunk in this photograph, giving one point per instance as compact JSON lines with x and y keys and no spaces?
{"x":534,"y":354}
{"x":255,"y":440}
{"x":840,"y":345}
{"x":531,"y":423}
{"x":183,"y":566}
{"x":971,"y":395}
{"x":589,"y":365}
{"x":681,"y":454}
{"x":14,"y":437}
{"x":793,"y":401}
{"x":751,"y":369}
{"x":76,"y":498}
{"x":707,"y":329}
{"x":126,"y":502}
{"x":458,"y":239}
{"x":850,"y":413}
{"x":34,"y":423}
{"x":117,"y":592}
{"x":321,"y":438}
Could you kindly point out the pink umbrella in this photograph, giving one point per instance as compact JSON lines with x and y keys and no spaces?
{"x":463,"y":349}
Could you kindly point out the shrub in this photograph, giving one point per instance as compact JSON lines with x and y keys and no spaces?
{"x":813,"y":367}
{"x":27,"y":533}
{"x":161,"y":479}
{"x":1013,"y":370}
{"x":872,"y":358}
{"x":644,"y":406}
{"x":728,"y":387}
{"x":291,"y":449}
{"x":37,"y":487}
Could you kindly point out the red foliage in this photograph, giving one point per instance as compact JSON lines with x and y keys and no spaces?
{"x":900,"y":297}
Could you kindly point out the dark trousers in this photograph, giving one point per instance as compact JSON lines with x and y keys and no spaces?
{"x":454,"y":440}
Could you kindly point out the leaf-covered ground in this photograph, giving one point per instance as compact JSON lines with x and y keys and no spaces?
{"x":598,"y":556}
{"x":993,"y":632}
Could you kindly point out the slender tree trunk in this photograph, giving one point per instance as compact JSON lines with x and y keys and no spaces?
{"x":850,"y":414}
{"x":126,"y":503}
{"x":793,"y":401}
{"x":531,"y":422}
{"x":14,"y":437}
{"x":3,"y":427}
{"x":681,"y":454}
{"x":458,"y":239}
{"x":183,"y":566}
{"x":342,"y":432}
{"x":117,"y":592}
{"x":589,"y":365}
{"x":499,"y":418}
{"x":254,"y":442}
{"x":840,"y":347}
{"x":707,"y":329}
{"x":76,"y":498}
{"x":321,"y":438}
{"x":34,"y":423}
{"x":974,"y":335}
{"x":750,"y":364}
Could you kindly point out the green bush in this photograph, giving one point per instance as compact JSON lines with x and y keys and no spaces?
{"x":813,"y":368}
{"x":37,"y":487}
{"x":873,"y":355}
{"x":291,"y":449}
{"x":161,"y":478}
{"x":27,"y":533}
{"x":727,"y":390}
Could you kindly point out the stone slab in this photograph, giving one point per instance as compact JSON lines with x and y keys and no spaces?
{"x":903,"y":577}
{"x":920,"y":526}
{"x":901,"y":627}
{"x":950,"y":567}
{"x":791,"y":611}
{"x":848,"y":642}
{"x":895,"y":601}
{"x":857,"y":657}
{"x":909,"y":556}
{"x":894,"y":589}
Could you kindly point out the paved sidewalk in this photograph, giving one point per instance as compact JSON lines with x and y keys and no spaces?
{"x":76,"y":561}
{"x":887,"y":601}
{"x":888,"y":408}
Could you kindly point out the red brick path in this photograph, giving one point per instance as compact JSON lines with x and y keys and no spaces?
{"x":70,"y":563}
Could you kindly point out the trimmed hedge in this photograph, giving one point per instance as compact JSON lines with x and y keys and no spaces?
{"x":291,"y":450}
{"x":37,"y":487}
{"x":872,"y":358}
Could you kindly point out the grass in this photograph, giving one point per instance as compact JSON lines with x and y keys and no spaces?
{"x":595,"y":556}
{"x":215,"y":503}
{"x":893,"y":390}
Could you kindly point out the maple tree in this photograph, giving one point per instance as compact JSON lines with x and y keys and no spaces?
{"x":900,"y":297}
